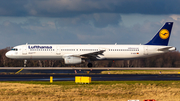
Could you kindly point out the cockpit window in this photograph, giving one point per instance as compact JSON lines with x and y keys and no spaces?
{"x":14,"y":49}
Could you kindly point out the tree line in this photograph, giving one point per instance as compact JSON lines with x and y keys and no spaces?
{"x":170,"y":59}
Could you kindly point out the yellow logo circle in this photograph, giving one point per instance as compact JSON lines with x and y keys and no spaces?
{"x":164,"y":34}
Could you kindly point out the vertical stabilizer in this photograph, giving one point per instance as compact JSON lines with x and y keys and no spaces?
{"x":163,"y":35}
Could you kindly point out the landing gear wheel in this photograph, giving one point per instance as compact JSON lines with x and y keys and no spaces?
{"x":89,"y":65}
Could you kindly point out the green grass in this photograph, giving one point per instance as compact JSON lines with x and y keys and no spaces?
{"x":72,"y":84}
{"x":141,"y":72}
{"x":95,"y":91}
{"x":163,"y":83}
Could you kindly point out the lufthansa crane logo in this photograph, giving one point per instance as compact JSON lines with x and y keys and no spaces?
{"x":164,"y":34}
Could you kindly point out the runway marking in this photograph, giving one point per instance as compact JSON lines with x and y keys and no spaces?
{"x":19,"y":71}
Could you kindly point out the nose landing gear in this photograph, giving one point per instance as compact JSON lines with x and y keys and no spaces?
{"x":25,"y":61}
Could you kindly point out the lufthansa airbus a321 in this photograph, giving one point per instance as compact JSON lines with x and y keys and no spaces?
{"x":75,"y":54}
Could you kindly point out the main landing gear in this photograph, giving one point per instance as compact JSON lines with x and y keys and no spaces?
{"x":89,"y":65}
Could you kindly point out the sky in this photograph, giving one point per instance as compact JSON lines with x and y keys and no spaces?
{"x":86,"y":21}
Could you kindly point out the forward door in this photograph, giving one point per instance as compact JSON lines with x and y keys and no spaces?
{"x":24,"y":50}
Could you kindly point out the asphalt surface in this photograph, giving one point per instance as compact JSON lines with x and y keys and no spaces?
{"x":69,"y":73}
{"x":73,"y":69}
{"x":85,"y":68}
{"x":94,"y":77}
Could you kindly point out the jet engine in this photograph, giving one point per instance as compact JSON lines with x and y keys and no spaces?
{"x":72,"y":60}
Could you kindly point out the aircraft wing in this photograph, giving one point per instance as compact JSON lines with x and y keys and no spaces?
{"x":91,"y":55}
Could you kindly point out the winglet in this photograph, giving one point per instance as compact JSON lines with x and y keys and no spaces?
{"x":163,"y":35}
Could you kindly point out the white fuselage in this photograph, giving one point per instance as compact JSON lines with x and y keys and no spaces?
{"x":74,"y":54}
{"x":54,"y":52}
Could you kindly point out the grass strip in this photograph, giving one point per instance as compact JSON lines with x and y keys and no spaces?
{"x":95,"y":91}
{"x":141,"y":72}
{"x":64,"y":83}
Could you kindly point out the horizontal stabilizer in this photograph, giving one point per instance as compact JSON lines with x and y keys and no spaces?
{"x":167,"y":49}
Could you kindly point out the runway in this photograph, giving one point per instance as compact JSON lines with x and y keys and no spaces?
{"x":69,"y":73}
{"x":94,"y":68}
{"x":95,"y":77}
{"x":74,"y":69}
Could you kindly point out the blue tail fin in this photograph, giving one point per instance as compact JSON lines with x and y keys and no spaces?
{"x":163,"y":35}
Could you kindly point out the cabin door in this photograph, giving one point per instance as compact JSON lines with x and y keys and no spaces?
{"x":145,"y":50}
{"x":58,"y":50}
{"x":24,"y":50}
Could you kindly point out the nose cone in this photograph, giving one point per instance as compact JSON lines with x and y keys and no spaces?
{"x":8,"y":54}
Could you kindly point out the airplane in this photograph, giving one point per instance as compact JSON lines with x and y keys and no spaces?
{"x":78,"y":53}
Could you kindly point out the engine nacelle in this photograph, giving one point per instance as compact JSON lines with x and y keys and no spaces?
{"x":72,"y":60}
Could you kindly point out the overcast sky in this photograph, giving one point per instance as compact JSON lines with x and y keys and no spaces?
{"x":86,"y":21}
